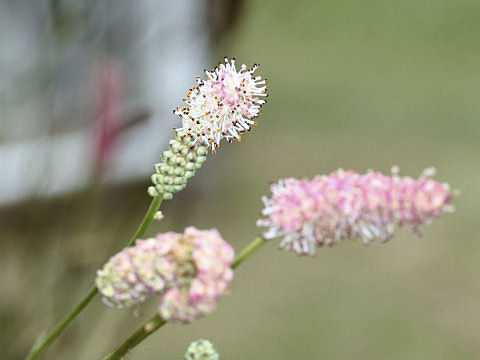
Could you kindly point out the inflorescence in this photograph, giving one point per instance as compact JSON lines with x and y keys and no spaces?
{"x":179,"y":164}
{"x":345,"y":205}
{"x":191,"y":271}
{"x":201,"y":350}
{"x":223,"y":106}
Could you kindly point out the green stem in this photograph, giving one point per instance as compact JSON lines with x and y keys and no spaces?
{"x":62,"y":324}
{"x":147,"y":220}
{"x":247,"y":251}
{"x":156,"y":322}
{"x":137,"y":337}
{"x":141,"y":230}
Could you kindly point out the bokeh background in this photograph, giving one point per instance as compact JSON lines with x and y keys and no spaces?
{"x":353,"y":84}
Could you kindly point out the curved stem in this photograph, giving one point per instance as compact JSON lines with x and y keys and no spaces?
{"x":141,"y":230}
{"x":137,"y":337}
{"x":156,"y":322}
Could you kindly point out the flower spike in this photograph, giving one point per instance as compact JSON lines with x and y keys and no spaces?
{"x":191,"y":271}
{"x":345,"y":205}
{"x":223,"y":106}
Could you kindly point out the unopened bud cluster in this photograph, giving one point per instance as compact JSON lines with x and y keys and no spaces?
{"x":191,"y":271}
{"x":179,"y":164}
{"x":201,"y":350}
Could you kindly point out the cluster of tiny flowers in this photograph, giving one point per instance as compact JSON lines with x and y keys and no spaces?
{"x":179,"y":164}
{"x":136,"y":273}
{"x":346,"y":205}
{"x":201,"y":350}
{"x":224,"y":105}
{"x":213,"y":258}
{"x":191,"y":271}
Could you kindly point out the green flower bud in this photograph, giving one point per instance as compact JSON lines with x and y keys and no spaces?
{"x":167,"y":196}
{"x":190,"y":166}
{"x":202,"y":150}
{"x":152,"y":192}
{"x":191,"y":157}
{"x":179,"y":171}
{"x":168,"y":180}
{"x":179,"y":180}
{"x":169,"y":170}
{"x":189,"y":174}
{"x":180,"y":161}
{"x":178,"y":188}
{"x":201,"y":159}
{"x":156,"y":179}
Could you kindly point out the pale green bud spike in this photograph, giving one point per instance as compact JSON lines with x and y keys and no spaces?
{"x":179,"y":164}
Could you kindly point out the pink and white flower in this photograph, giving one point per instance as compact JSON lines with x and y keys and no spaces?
{"x":345,"y":205}
{"x":224,"y":105}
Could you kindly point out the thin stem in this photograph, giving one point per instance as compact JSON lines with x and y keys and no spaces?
{"x":62,"y":324}
{"x":137,"y":337}
{"x":156,"y":322}
{"x":142,"y":229}
{"x":247,"y":251}
{"x":147,"y":220}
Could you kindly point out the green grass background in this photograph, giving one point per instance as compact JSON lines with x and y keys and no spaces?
{"x":353,"y":84}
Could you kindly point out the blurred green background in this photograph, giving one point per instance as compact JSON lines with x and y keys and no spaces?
{"x":353,"y":84}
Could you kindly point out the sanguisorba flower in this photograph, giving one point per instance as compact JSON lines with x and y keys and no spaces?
{"x":223,"y":106}
{"x":201,"y":350}
{"x":197,"y":297}
{"x":347,"y":205}
{"x":191,"y":271}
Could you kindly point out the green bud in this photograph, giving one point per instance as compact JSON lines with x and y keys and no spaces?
{"x":180,"y":161}
{"x":167,"y":155}
{"x":158,"y":167}
{"x":169,"y":170}
{"x":189,"y":174}
{"x":176,"y":148}
{"x":168,"y":188}
{"x":168,"y":180}
{"x":152,"y":192}
{"x":179,"y":180}
{"x":178,"y":188}
{"x":167,"y":196}
{"x":179,"y":171}
{"x":198,"y":166}
{"x":191,"y":157}
{"x":159,"y":188}
{"x":156,"y":179}
{"x":201,"y":159}
{"x":190,"y":166}
{"x":202,"y":151}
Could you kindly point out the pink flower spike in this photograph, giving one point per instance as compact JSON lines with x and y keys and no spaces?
{"x":345,"y":205}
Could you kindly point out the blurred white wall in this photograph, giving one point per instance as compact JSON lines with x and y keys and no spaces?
{"x":59,"y":103}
